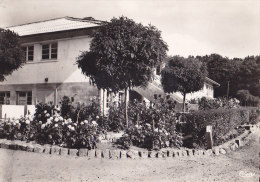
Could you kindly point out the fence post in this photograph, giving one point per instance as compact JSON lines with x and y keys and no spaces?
{"x":209,"y":137}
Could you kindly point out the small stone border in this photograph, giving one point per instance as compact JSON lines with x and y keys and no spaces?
{"x":231,"y":145}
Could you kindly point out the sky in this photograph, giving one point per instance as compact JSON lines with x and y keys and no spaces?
{"x":230,"y":28}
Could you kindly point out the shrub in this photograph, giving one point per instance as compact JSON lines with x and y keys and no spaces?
{"x":206,"y":104}
{"x":18,"y":129}
{"x":48,"y":127}
{"x":79,"y":111}
{"x":153,"y":127}
{"x":222,"y":120}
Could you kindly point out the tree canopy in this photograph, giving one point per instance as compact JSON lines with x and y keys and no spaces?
{"x":237,"y":74}
{"x":11,"y":53}
{"x":123,"y":54}
{"x":183,"y":75}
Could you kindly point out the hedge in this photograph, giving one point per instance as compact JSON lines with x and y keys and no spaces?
{"x":223,"y":122}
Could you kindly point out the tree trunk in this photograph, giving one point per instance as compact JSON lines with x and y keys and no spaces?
{"x":126,"y":106}
{"x":184,"y":98}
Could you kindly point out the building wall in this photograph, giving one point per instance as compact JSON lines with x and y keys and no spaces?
{"x":50,"y":80}
{"x":206,"y":91}
{"x":60,"y":70}
{"x":53,"y":92}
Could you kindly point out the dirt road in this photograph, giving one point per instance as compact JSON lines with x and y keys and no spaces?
{"x":241,"y":165}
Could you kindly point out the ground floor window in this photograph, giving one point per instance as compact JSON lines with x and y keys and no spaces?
{"x":5,"y":97}
{"x":24,"y":98}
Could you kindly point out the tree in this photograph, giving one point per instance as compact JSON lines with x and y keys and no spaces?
{"x":183,"y":75}
{"x":11,"y":53}
{"x":224,"y":71}
{"x":123,"y":55}
{"x":247,"y":98}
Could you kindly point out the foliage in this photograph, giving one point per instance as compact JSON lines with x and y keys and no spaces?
{"x":222,"y":120}
{"x":11,"y":53}
{"x":183,"y":75}
{"x":80,"y":111}
{"x":153,"y":127}
{"x":241,"y":74}
{"x":247,"y":98}
{"x":17,"y":129}
{"x":205,"y":104}
{"x":48,"y":127}
{"x":122,"y":55}
{"x":43,"y":111}
{"x":67,"y":109}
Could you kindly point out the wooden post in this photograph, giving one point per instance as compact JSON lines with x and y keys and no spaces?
{"x":209,"y":137}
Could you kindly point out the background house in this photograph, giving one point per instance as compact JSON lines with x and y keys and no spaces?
{"x":154,"y":89}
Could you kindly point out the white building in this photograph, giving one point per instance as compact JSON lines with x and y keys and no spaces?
{"x":51,"y":48}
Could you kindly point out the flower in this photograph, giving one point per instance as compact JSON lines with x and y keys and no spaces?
{"x":75,"y":124}
{"x":69,"y":120}
{"x":94,"y":122}
{"x":69,"y":126}
{"x":147,"y":124}
{"x":27,"y":121}
{"x":40,"y":122}
{"x":43,"y":126}
{"x":45,"y":111}
{"x":81,"y":123}
{"x":61,"y":118}
{"x":56,"y":125}
{"x":48,"y":121}
{"x":17,"y":121}
{"x":97,"y":117}
{"x":65,"y":121}
{"x":72,"y":128}
{"x":51,"y":118}
{"x":86,"y":121}
{"x":56,"y":119}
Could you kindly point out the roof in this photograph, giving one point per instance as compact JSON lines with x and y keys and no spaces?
{"x":212,"y":81}
{"x":55,"y":25}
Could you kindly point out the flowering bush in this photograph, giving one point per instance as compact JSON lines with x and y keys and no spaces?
{"x":49,"y":127}
{"x":66,"y":132}
{"x":205,"y":104}
{"x":17,"y":129}
{"x":153,"y":127}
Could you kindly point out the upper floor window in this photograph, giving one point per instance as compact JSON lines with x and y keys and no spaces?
{"x":50,"y":51}
{"x":4,"y":97}
{"x":28,"y":52}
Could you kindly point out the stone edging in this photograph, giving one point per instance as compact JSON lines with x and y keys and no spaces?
{"x":124,"y":154}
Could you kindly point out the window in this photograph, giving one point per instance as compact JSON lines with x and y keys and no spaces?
{"x":28,"y":52}
{"x":24,"y":98}
{"x":5,"y":98}
{"x":50,"y":51}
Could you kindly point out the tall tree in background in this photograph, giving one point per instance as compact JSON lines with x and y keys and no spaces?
{"x":185,"y":75}
{"x":238,"y":77}
{"x":122,"y":55}
{"x":224,"y":71}
{"x":11,"y":53}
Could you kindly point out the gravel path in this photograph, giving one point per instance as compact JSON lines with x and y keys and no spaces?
{"x":235,"y":166}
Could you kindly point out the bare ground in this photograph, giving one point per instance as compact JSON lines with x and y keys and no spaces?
{"x":235,"y":166}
